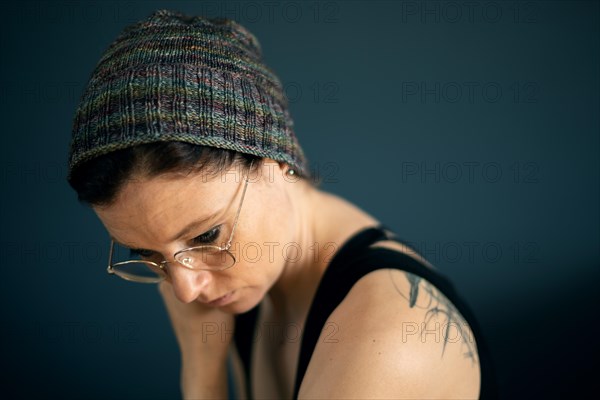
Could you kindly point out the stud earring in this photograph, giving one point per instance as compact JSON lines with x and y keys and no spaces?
{"x":291,"y":172}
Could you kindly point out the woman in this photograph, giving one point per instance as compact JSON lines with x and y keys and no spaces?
{"x":184,"y":147}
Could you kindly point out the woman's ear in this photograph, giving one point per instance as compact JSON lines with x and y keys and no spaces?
{"x":284,"y":168}
{"x":281,"y":168}
{"x":272,"y":170}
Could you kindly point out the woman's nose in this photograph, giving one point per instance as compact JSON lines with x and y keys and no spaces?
{"x":188,"y":284}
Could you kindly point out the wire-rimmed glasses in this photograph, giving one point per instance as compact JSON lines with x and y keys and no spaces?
{"x":205,"y":257}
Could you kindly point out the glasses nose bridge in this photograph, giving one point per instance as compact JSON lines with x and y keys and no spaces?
{"x":179,"y":261}
{"x":169,"y":265}
{"x":173,"y":261}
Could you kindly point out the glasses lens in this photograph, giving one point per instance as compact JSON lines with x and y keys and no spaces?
{"x":138,"y":271}
{"x":133,"y":266}
{"x":207,"y":257}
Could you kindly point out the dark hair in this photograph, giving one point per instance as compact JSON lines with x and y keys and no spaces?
{"x":98,"y":181}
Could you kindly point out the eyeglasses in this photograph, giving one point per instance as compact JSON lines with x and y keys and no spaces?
{"x":205,"y":257}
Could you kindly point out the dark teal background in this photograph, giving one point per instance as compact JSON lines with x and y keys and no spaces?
{"x":471,"y":128}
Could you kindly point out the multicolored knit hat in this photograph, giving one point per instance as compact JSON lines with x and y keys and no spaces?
{"x":173,"y":77}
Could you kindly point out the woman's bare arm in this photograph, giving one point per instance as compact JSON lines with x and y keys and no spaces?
{"x":204,"y":335}
{"x":396,"y":337}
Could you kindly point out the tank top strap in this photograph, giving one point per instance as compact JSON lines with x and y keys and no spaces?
{"x":245,"y":324}
{"x":353,"y":261}
{"x":350,"y":263}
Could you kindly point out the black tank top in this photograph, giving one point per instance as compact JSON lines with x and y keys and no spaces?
{"x":353,"y":260}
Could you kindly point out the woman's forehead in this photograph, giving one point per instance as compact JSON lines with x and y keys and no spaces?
{"x":160,"y":191}
{"x":162,"y":205}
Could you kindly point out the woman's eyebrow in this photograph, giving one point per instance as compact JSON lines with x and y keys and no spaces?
{"x":123,"y":245}
{"x":187,"y":229}
{"x":194,"y":225}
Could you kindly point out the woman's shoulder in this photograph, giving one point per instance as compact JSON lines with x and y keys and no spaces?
{"x":394,"y":335}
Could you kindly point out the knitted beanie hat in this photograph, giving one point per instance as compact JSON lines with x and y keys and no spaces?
{"x":173,"y":77}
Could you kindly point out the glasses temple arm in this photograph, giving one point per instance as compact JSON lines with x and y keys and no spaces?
{"x":110,"y":255}
{"x":239,"y":209}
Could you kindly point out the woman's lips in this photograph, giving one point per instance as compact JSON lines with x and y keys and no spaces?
{"x":221,"y":301}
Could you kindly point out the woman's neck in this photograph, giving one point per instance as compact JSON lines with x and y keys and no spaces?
{"x":323,"y":222}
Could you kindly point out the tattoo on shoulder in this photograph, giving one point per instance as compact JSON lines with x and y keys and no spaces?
{"x":442,"y":319}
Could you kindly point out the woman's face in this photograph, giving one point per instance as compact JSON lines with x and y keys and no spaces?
{"x":149,"y":214}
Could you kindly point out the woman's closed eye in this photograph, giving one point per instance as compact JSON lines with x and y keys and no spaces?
{"x":145,"y":254}
{"x":208,"y":237}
